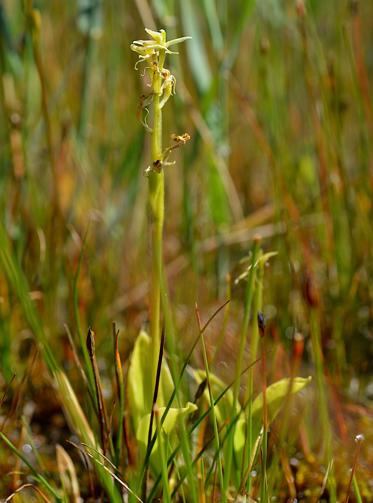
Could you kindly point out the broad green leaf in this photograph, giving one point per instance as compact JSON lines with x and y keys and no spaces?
{"x":275,"y":396}
{"x":169,"y":428}
{"x":140,"y":380}
{"x":169,"y":423}
{"x":223,"y":409}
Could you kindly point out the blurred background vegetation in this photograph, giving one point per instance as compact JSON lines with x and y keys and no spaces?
{"x":276,"y":96}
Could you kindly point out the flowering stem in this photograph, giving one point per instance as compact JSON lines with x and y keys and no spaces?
{"x":156,"y":218}
{"x":153,"y":53}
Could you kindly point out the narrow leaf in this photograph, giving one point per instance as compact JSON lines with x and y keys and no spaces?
{"x":197,"y":56}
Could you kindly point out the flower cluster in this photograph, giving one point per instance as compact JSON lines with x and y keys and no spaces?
{"x":162,"y":83}
{"x":153,"y":52}
{"x":155,"y":47}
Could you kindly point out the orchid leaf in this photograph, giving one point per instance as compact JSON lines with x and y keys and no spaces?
{"x":223,"y":409}
{"x":140,"y":388}
{"x":276,"y":395}
{"x":169,"y":428}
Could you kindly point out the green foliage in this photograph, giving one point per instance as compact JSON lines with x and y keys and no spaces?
{"x":170,"y":428}
{"x":223,"y":410}
{"x":227,"y":412}
{"x":140,"y":395}
{"x":140,"y":381}
{"x":276,"y":396}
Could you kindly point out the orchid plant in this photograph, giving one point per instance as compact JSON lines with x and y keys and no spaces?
{"x":144,"y":363}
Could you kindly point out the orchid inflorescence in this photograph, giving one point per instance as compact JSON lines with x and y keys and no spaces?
{"x":147,"y":49}
{"x":162,"y":83}
{"x":153,"y":52}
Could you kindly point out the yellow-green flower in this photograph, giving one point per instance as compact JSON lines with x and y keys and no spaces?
{"x":154,"y":46}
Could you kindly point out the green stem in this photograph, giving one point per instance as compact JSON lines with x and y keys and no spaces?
{"x":356,"y":490}
{"x":170,"y":341}
{"x":254,"y":340}
{"x":249,"y":293}
{"x":264,"y":478}
{"x":322,"y":397}
{"x":156,"y":219}
{"x":162,"y":441}
{"x":213,"y":414}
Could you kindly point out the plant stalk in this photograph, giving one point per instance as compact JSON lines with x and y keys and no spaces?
{"x":156,"y":220}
